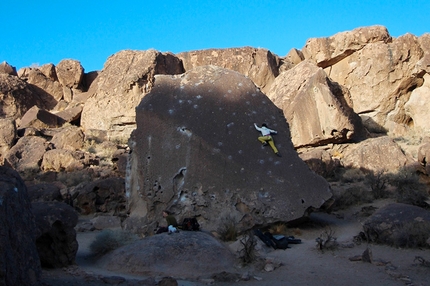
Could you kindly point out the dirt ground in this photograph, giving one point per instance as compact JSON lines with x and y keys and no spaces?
{"x":302,"y":264}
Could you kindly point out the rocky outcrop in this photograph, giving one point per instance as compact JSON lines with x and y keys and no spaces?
{"x":328,"y":51}
{"x":190,"y":252}
{"x":260,"y":65}
{"x":19,"y":261}
{"x":316,"y":108}
{"x":399,"y":225}
{"x":195,"y":150}
{"x":70,"y":73}
{"x":126,"y":77}
{"x":44,"y":192}
{"x":56,"y":237}
{"x":70,"y":138}
{"x":6,"y":68}
{"x":380,"y":78}
{"x":40,"y":118}
{"x":67,"y":160}
{"x":424,"y":156}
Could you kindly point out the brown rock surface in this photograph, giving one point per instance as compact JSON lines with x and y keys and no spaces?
{"x":260,"y":65}
{"x":40,"y":118}
{"x":315,"y":108}
{"x":196,"y":150}
{"x":6,"y":68}
{"x":7,"y":136}
{"x":70,"y":138}
{"x":19,"y":261}
{"x":418,"y":106}
{"x":126,"y":77}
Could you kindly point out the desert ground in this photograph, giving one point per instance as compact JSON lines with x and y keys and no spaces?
{"x":301,"y":264}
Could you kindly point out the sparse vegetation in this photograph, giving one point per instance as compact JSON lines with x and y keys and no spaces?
{"x":352,"y":196}
{"x":411,"y":235}
{"x":248,"y":253}
{"x":352,"y":175}
{"x":108,"y":240}
{"x":327,"y":240}
{"x":378,"y":184}
{"x":228,"y":230}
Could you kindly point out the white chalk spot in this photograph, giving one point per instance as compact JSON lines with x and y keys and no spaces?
{"x":180,"y":101}
{"x":261,"y":161}
{"x":15,"y":189}
{"x":220,"y":144}
{"x":248,"y":103}
{"x":240,"y":84}
{"x":230,"y":157}
{"x":178,"y":146}
{"x":185,"y":131}
{"x":277,"y":162}
{"x":269,"y":173}
{"x":240,"y":151}
{"x":229,"y":91}
{"x":195,"y":106}
{"x":253,"y":95}
{"x":170,"y":111}
{"x":263,"y":102}
{"x":198,"y":96}
{"x":189,"y":101}
{"x":230,"y":124}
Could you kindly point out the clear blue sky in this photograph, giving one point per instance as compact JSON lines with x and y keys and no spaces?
{"x":36,"y":32}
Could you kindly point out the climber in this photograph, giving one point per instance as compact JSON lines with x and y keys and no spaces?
{"x":267,"y":137}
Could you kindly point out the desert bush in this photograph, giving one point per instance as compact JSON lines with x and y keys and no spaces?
{"x":228,"y":230}
{"x":327,"y":240}
{"x":248,"y":253}
{"x":354,"y":195}
{"x":378,"y":184}
{"x":411,"y":235}
{"x":352,"y":175}
{"x":108,"y":240}
{"x":409,"y":189}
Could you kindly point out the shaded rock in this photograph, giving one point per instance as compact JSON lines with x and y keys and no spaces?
{"x":70,"y":138}
{"x":320,"y":161}
{"x":19,"y":261}
{"x":70,"y":115}
{"x":315,"y":108}
{"x":7,"y":136}
{"x":185,"y":254}
{"x":380,"y":78}
{"x":70,"y":73}
{"x":424,"y":156}
{"x":120,"y":159}
{"x":168,"y":281}
{"x":328,"y":51}
{"x":380,"y":154}
{"x":6,"y":68}
{"x":399,"y":225}
{"x":67,"y":160}
{"x":195,"y":150}
{"x":260,"y":65}
{"x":40,"y":118}
{"x":49,"y":90}
{"x":44,"y":192}
{"x":126,"y":77}
{"x":56,"y":237}
{"x":105,"y":195}
{"x":16,"y":97}
{"x":49,"y":71}
{"x":26,"y":155}
{"x":418,"y":105}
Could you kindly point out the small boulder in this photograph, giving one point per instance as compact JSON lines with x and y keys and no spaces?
{"x":70,"y":73}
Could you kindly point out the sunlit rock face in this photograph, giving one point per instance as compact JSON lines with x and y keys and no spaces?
{"x":195,"y":151}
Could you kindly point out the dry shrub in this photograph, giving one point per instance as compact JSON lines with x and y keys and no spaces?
{"x":228,"y":230}
{"x":377,"y":181}
{"x":108,"y":240}
{"x":354,"y":195}
{"x":352,"y":175}
{"x":248,"y":253}
{"x":411,"y":235}
{"x":327,"y":240}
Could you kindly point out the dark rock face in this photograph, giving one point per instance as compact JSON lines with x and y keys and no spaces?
{"x":19,"y":261}
{"x":174,"y":255}
{"x":400,"y":225}
{"x":195,"y":150}
{"x":56,"y":237}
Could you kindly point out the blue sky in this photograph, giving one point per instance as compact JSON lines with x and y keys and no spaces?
{"x":40,"y":32}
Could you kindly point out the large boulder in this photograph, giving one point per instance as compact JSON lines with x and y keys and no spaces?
{"x":19,"y":261}
{"x":380,"y":154}
{"x":260,"y":65}
{"x":26,"y":155}
{"x":380,"y":78}
{"x":55,"y":237}
{"x":418,"y":105}
{"x":16,"y":97}
{"x":315,"y":108}
{"x":70,"y":138}
{"x":126,"y":77}
{"x":67,"y":160}
{"x":70,"y":73}
{"x":6,"y":68}
{"x":328,"y":51}
{"x":195,"y":150}
{"x":400,"y":225}
{"x":39,"y":119}
{"x":187,"y":254}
